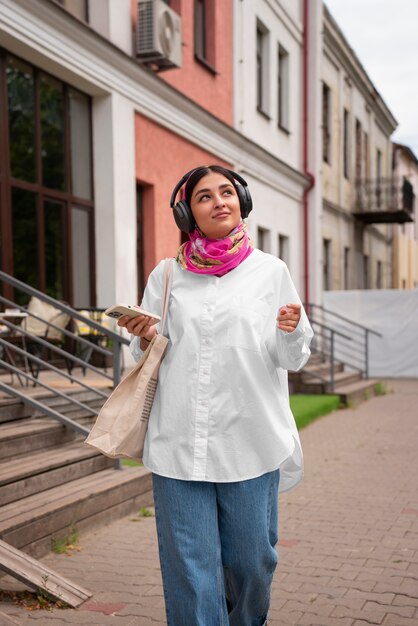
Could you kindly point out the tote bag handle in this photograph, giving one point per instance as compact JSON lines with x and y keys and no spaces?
{"x":168,"y":279}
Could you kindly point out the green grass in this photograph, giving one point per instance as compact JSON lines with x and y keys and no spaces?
{"x":131,"y":463}
{"x":307,"y":408}
{"x":61,"y":545}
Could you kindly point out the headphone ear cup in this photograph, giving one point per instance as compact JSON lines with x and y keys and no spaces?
{"x":183,"y":216}
{"x":245,"y":200}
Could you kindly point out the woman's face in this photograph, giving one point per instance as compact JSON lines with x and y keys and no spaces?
{"x":215,"y":206}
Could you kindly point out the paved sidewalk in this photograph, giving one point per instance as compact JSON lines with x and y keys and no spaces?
{"x":349,"y":534}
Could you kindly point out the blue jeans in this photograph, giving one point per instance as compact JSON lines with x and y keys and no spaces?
{"x":216,"y":543}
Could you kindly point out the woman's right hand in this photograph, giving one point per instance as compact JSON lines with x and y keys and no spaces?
{"x":140,"y":326}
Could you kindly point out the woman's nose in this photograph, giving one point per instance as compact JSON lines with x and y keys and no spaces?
{"x":219,"y":201}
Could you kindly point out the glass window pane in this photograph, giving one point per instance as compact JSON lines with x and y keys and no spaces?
{"x":52,"y":124}
{"x":77,"y":8}
{"x":80,"y":137}
{"x":25,"y":240}
{"x":54,"y":249}
{"x":80,"y":237}
{"x":21,"y":106}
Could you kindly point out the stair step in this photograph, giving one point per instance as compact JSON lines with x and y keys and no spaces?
{"x":316,"y":358}
{"x":31,"y":434}
{"x":354,"y":393}
{"x":11,"y":410}
{"x":32,"y":473}
{"x":31,"y":523}
{"x":312,"y":385}
{"x":322,"y":369}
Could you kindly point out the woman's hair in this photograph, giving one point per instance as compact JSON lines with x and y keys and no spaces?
{"x":199,"y":173}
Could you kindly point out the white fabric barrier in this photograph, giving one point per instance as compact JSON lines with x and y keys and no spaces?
{"x":394,"y":314}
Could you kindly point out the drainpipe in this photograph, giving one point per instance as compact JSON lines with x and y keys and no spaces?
{"x":305,"y":152}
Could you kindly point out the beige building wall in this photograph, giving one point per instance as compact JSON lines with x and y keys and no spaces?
{"x":405,"y":242}
{"x":360,"y":124}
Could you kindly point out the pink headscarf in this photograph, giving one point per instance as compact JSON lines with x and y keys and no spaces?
{"x":215,"y":256}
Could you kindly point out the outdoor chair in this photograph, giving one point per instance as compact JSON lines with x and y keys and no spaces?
{"x":45,"y":331}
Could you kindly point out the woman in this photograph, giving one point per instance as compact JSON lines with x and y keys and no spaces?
{"x":221,"y":436}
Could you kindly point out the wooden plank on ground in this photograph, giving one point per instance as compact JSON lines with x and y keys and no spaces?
{"x":36,"y":575}
{"x":8,"y":620}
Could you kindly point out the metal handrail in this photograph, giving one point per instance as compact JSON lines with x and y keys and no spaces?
{"x":43,"y":408}
{"x":26,"y":337}
{"x":64,"y":331}
{"x":65,"y":308}
{"x":332,"y":330}
{"x":359,"y":338}
{"x":50,"y":346}
{"x":342,"y":317}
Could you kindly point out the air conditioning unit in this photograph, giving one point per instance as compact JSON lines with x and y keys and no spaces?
{"x":158,"y":35}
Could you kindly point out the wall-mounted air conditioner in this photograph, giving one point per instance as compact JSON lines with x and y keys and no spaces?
{"x":158,"y":35}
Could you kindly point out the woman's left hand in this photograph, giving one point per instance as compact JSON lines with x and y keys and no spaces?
{"x":288,"y":318}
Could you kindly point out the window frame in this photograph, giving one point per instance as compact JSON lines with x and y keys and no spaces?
{"x":204,"y":34}
{"x":283,"y":73}
{"x":64,"y":5}
{"x":326,"y":123}
{"x":346,"y":143}
{"x":42,"y":193}
{"x":262,"y":69}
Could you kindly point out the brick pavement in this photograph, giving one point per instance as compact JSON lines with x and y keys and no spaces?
{"x":349,"y":534}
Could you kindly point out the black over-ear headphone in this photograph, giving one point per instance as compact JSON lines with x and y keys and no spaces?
{"x":182,"y":210}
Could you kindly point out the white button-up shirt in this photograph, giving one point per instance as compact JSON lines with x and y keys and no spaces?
{"x":221,"y":411}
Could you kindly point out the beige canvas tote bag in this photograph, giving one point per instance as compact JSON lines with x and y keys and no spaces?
{"x":121,"y":425}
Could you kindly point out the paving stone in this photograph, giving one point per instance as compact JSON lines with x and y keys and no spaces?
{"x":348,"y":535}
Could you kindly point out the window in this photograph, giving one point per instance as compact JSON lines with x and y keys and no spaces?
{"x":263,"y":239}
{"x":378,"y":164}
{"x":326,"y":264}
{"x":366,"y":155}
{"x":200,"y":29}
{"x":262,"y":52}
{"x":283,"y":89}
{"x":358,"y":166}
{"x":284,"y":252}
{"x":379,"y":275}
{"x":346,"y":267}
{"x":326,"y":123}
{"x":46,"y":238}
{"x":365,"y":271}
{"x":346,"y":143}
{"x":78,"y":8}
{"x":204,"y":33}
{"x":378,"y":177}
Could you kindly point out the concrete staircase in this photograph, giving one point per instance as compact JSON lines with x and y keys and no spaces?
{"x":49,"y":480}
{"x":315,"y":378}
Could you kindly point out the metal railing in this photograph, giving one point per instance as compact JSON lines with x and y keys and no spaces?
{"x":384,"y":194}
{"x":25,"y":354}
{"x":324,"y":343}
{"x":340,"y":340}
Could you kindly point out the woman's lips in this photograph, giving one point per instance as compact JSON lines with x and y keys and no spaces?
{"x":221,"y":215}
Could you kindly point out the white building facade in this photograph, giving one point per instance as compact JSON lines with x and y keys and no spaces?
{"x":86,"y":47}
{"x":271,"y":74}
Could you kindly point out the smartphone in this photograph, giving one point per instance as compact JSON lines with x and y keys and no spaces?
{"x":119,"y":310}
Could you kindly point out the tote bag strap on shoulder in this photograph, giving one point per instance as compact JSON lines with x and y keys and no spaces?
{"x":168,"y":279}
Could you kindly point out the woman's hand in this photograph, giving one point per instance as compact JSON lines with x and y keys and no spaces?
{"x":140,"y":326}
{"x":288,"y":318}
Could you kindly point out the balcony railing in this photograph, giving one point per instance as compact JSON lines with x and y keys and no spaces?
{"x":384,"y":201}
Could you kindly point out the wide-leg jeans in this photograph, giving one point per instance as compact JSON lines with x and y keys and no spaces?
{"x":217,"y":549}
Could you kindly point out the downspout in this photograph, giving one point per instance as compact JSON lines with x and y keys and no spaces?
{"x":305,"y":153}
